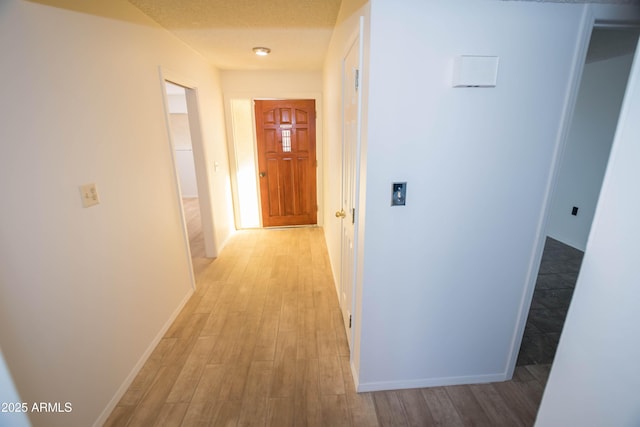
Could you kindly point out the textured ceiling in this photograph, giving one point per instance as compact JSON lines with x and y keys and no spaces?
{"x":225,"y":31}
{"x":297,"y":31}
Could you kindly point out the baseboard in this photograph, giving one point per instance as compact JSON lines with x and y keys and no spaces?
{"x":138,"y":366}
{"x":429,"y":382}
{"x":354,"y":374}
{"x":224,"y":242}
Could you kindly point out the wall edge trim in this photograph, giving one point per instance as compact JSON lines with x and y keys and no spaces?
{"x":430,"y":382}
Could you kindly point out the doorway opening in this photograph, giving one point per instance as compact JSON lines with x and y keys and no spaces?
{"x":185,"y":167}
{"x":183,"y":124}
{"x":577,"y":188}
{"x":242,"y":149}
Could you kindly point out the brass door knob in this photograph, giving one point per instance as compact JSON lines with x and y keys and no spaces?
{"x":263,"y":174}
{"x":341,"y":214}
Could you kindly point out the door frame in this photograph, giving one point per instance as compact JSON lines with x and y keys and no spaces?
{"x":355,"y":41}
{"x":201,"y":168}
{"x":594,"y":16}
{"x":269,"y":94}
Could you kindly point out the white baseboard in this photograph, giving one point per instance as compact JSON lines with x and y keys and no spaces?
{"x":428,"y":382}
{"x":354,"y":374}
{"x":224,"y":243}
{"x":138,"y":366}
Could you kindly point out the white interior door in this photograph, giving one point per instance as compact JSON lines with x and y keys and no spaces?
{"x":350,"y":152}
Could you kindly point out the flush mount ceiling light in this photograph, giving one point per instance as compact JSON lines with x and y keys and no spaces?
{"x":261,"y":51}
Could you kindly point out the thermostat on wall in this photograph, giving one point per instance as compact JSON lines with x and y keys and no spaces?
{"x":475,"y":71}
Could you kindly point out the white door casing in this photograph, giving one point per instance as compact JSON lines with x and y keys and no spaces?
{"x":351,"y":110}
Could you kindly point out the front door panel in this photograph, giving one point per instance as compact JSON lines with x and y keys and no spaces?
{"x":286,"y":134}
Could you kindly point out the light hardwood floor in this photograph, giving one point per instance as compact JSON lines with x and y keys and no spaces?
{"x":261,"y":342}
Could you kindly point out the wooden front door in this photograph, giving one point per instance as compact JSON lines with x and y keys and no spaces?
{"x":286,"y":134}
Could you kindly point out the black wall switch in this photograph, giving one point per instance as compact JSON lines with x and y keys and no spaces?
{"x":574,"y":211}
{"x":398,"y":194}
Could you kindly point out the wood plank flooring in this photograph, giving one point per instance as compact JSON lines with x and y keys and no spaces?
{"x":261,"y":343}
{"x":191,"y":208}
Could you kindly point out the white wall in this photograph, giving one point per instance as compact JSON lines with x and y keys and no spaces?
{"x":186,"y":172}
{"x":242,"y":87}
{"x":587,"y":150}
{"x":181,"y":139}
{"x":444,"y":279}
{"x":245,"y":162}
{"x":180,"y":130}
{"x":595,"y":379}
{"x":265,"y":84}
{"x":85,"y":292}
{"x":177,"y":101}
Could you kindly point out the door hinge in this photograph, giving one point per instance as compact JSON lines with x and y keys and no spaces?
{"x":316,"y":163}
{"x":357,"y":79}
{"x":316,"y":208}
{"x":349,"y":321}
{"x":353,"y":215}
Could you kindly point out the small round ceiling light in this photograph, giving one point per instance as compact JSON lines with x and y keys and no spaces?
{"x":261,"y":51}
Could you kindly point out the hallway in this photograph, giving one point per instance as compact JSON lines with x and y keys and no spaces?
{"x":555,"y":284}
{"x":261,"y":342}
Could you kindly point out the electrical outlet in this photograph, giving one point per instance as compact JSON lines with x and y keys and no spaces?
{"x":398,"y":194}
{"x":89,"y":195}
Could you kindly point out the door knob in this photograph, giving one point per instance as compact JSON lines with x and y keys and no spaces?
{"x":341,"y":214}
{"x":263,"y":174}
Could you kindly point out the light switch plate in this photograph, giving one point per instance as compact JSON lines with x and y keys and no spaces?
{"x":398,"y":193}
{"x":89,"y":195}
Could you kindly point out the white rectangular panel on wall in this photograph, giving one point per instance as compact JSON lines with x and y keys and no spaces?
{"x":475,"y":71}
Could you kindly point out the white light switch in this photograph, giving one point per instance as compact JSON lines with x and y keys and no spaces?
{"x":89,"y":194}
